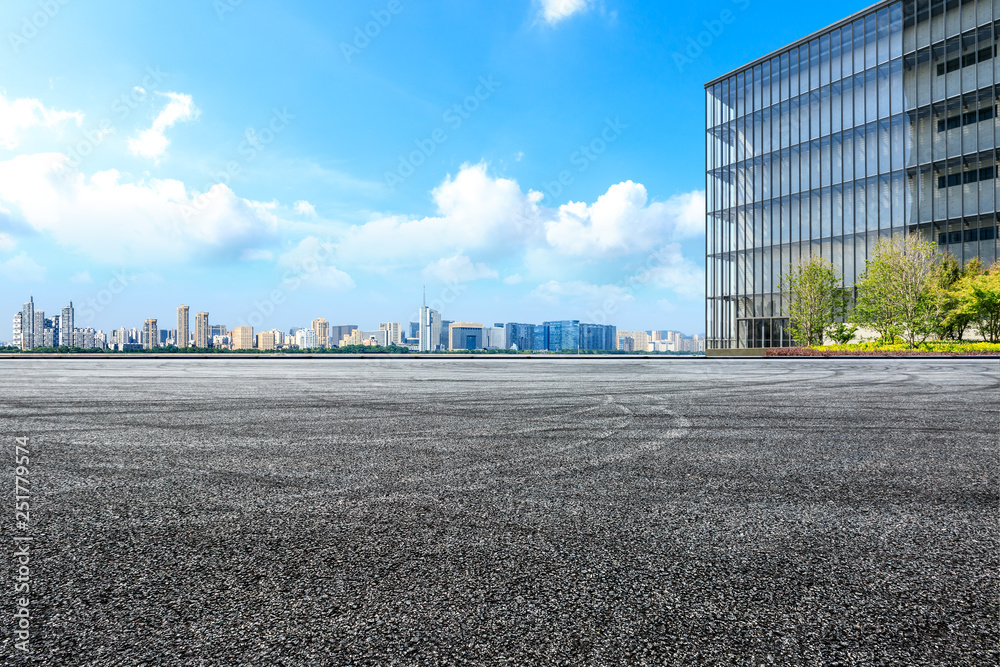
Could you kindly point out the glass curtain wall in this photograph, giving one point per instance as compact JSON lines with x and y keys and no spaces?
{"x":883,"y":124}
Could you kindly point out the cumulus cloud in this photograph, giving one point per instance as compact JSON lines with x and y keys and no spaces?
{"x":22,"y":269}
{"x":622,"y":222}
{"x":81,"y":278}
{"x":493,"y":219}
{"x":152,"y":143}
{"x":474,"y":211}
{"x":7,"y":242}
{"x":669,"y":269}
{"x":154,"y":221}
{"x":309,"y":263}
{"x":303,"y":207}
{"x":458,"y":269}
{"x":554,"y":11}
{"x":17,"y":116}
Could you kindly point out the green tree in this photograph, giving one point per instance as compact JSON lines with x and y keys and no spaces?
{"x":896,"y":292}
{"x":815,"y":298}
{"x":952,"y":319}
{"x":979,"y":298}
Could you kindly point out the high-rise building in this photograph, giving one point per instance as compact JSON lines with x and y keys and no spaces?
{"x":444,"y":340}
{"x":884,"y":123}
{"x":150,"y":334}
{"x":430,"y":328}
{"x":242,"y":338}
{"x":465,"y":336}
{"x":563,"y":335}
{"x":380,"y":337}
{"x":50,"y":332}
{"x":337,"y":333}
{"x":202,"y":332}
{"x":38,"y":329}
{"x":183,"y":329}
{"x":521,"y":336}
{"x":354,"y":337}
{"x":66,"y":324}
{"x":625,"y":342}
{"x":494,"y":338}
{"x":16,"y":341}
{"x":322,"y":329}
{"x":28,"y":324}
{"x":395,"y":330}
{"x":541,"y":338}
{"x":601,"y":337}
{"x":306,"y":339}
{"x":266,"y":341}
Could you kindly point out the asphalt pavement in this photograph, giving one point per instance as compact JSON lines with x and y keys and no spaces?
{"x":505,"y":512}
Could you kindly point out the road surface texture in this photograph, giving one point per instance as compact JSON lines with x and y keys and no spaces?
{"x":507,"y":512}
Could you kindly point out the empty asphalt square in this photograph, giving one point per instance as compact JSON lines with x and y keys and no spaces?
{"x":506,"y":511}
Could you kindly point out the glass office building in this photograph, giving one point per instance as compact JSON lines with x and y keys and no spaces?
{"x":885,"y":123}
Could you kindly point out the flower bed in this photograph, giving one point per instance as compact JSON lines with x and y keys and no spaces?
{"x":930,"y":349}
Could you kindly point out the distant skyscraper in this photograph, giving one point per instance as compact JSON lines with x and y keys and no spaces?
{"x":202,"y":334}
{"x":183,"y":328}
{"x":563,"y":335}
{"x":380,"y":337}
{"x":521,"y":335}
{"x":598,"y":337}
{"x":445,"y":328}
{"x":242,"y":338}
{"x":17,"y":331}
{"x":430,"y":328}
{"x":66,"y":325}
{"x":465,"y":336}
{"x":150,"y":334}
{"x":38,"y":329}
{"x":395,"y":330}
{"x":494,"y":338}
{"x":306,"y":339}
{"x":28,"y":325}
{"x":265,"y":341}
{"x":322,"y":330}
{"x":337,"y":333}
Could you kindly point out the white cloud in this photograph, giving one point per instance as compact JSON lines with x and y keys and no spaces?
{"x":458,"y":269}
{"x":19,"y":115}
{"x":475,"y":212}
{"x":303,"y":207}
{"x":7,"y":242}
{"x":22,"y":269}
{"x":514,"y":279}
{"x":622,"y":222}
{"x":687,"y":211}
{"x":669,"y":269}
{"x":309,"y":263}
{"x":81,"y":277}
{"x":154,"y":221}
{"x":256,"y":255}
{"x":152,"y":143}
{"x":554,"y":11}
{"x":493,"y":219}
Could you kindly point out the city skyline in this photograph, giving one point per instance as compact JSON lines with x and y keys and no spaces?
{"x":31,"y":329}
{"x":541,"y":191}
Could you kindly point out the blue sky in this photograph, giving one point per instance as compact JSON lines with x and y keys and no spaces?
{"x":273,"y":162}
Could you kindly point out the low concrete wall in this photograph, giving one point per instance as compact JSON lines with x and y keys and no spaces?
{"x":755,"y":353}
